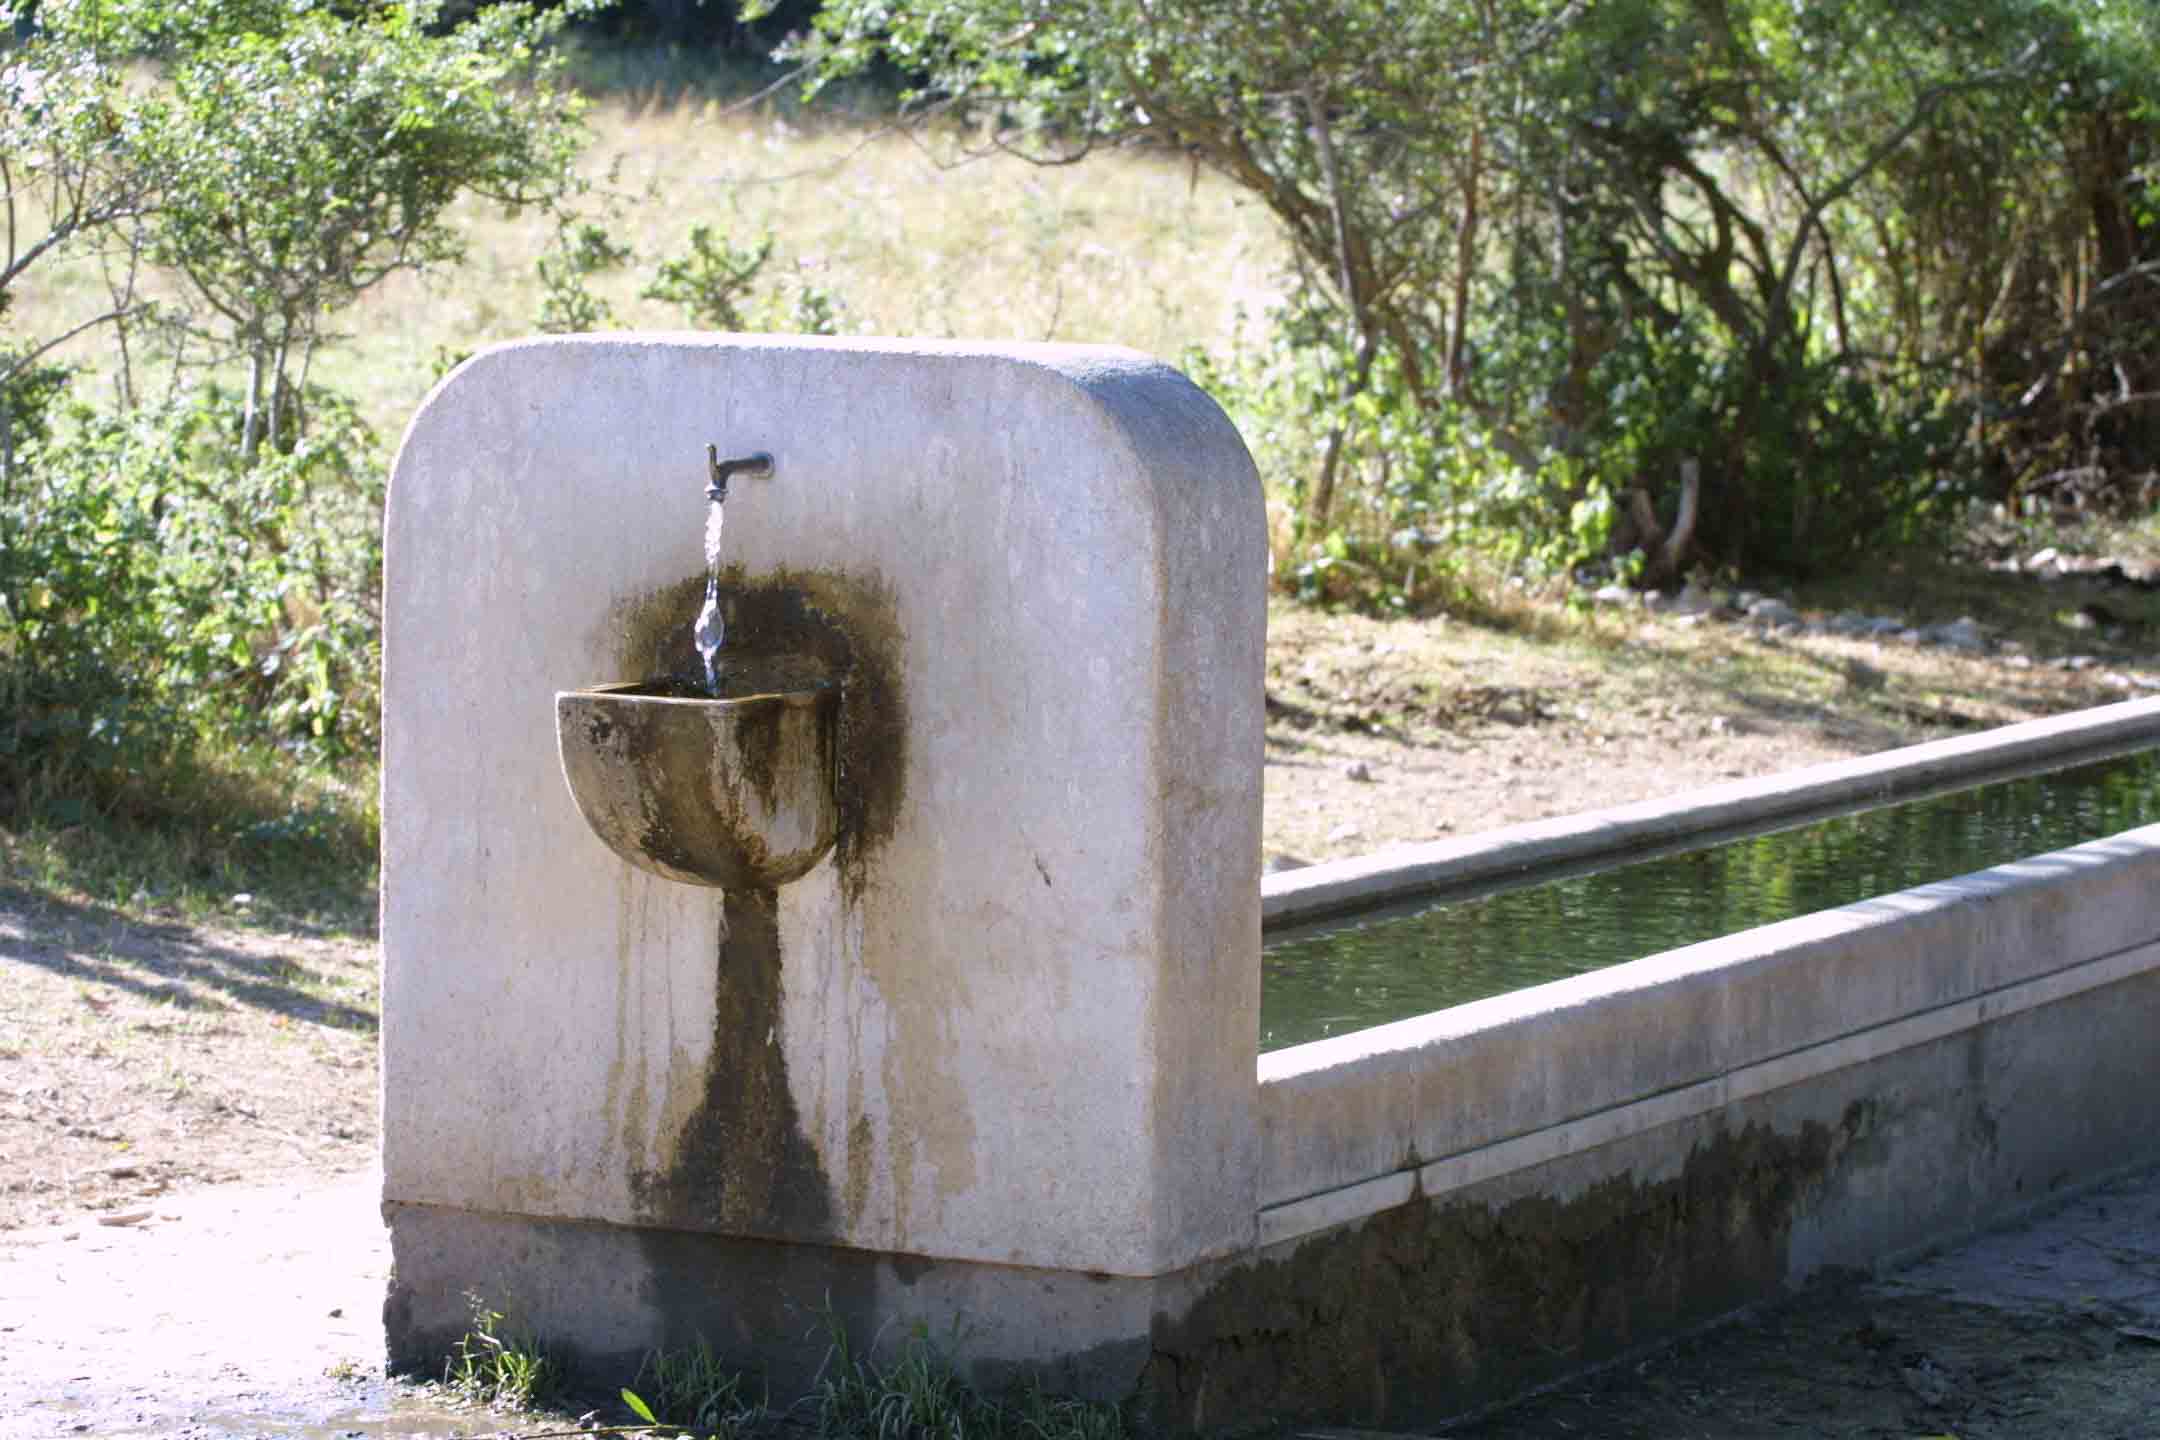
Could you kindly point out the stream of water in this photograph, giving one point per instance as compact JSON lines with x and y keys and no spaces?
{"x":711,"y":630}
{"x":1365,"y":973}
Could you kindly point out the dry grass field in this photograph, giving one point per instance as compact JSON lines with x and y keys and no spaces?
{"x":911,"y":236}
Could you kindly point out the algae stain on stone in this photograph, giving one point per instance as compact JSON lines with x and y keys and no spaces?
{"x":739,"y":1162}
{"x":1441,"y":1294}
{"x":846,"y":621}
{"x":862,"y":1147}
{"x":626,"y":1112}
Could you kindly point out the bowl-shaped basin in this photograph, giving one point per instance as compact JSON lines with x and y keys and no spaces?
{"x":734,"y":790}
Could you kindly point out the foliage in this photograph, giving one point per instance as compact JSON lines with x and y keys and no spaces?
{"x":203,"y":565}
{"x":582,"y":250}
{"x":711,"y":282}
{"x":492,"y":1364}
{"x":76,"y":575}
{"x":691,"y":1390}
{"x":156,"y":586}
{"x":1514,"y":224}
{"x":715,"y":281}
{"x":1362,"y":128}
{"x":302,"y":165}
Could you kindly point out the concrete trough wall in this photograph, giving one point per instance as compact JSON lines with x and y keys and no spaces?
{"x":1457,"y":1206}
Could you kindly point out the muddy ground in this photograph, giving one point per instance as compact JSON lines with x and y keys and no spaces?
{"x":2042,"y":1329}
{"x":142,"y":1057}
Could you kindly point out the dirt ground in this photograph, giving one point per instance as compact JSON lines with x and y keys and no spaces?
{"x":1383,"y":733}
{"x":142,"y":1057}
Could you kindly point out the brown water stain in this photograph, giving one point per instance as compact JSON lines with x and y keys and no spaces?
{"x":739,"y":1161}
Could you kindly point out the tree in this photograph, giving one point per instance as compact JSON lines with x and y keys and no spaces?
{"x":1378,"y":134}
{"x":275,"y":159}
{"x":303,"y":164}
{"x":1588,"y":250}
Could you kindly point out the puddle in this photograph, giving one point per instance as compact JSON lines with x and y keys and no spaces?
{"x":230,"y":1312}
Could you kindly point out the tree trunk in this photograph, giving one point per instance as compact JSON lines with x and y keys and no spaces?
{"x":1323,"y":492}
{"x":1665,"y":556}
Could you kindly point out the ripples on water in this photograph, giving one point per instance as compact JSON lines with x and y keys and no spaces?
{"x":1368,"y":974}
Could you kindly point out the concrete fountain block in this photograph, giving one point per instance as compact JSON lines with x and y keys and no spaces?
{"x":1008,"y":1026}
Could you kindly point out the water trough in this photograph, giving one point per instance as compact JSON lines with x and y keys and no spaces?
{"x":990,"y":1064}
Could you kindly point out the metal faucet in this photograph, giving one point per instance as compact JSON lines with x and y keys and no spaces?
{"x":718,"y":472}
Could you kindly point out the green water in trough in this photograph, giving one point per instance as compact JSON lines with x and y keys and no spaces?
{"x":1370,"y":971}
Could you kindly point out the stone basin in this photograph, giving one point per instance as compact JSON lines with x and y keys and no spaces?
{"x":733,"y":789}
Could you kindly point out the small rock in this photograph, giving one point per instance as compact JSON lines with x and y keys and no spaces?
{"x":2076,"y":662}
{"x":1962,"y":633}
{"x":1276,"y":864}
{"x":1359,"y":771}
{"x":1613,"y":595}
{"x":1344,"y":832}
{"x":1929,"y":1381}
{"x":1694,"y":600}
{"x":2019,"y":662}
{"x":2081,"y":620}
{"x":242,"y":900}
{"x":1773,"y":612}
{"x":2042,"y":559}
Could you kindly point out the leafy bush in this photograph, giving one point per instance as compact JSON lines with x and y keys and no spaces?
{"x":79,"y":710}
{"x":1796,"y":477}
{"x":157,"y":589}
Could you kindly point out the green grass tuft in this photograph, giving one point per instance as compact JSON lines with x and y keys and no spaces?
{"x":500,"y":1368}
{"x":690,"y":1390}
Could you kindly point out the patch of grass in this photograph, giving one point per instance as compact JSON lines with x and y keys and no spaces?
{"x":916,"y":1396}
{"x":920,"y":1397}
{"x":689,"y":1389}
{"x":236,"y":836}
{"x":496,"y":1366}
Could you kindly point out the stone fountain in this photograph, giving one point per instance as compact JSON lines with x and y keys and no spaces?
{"x":915,"y":986}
